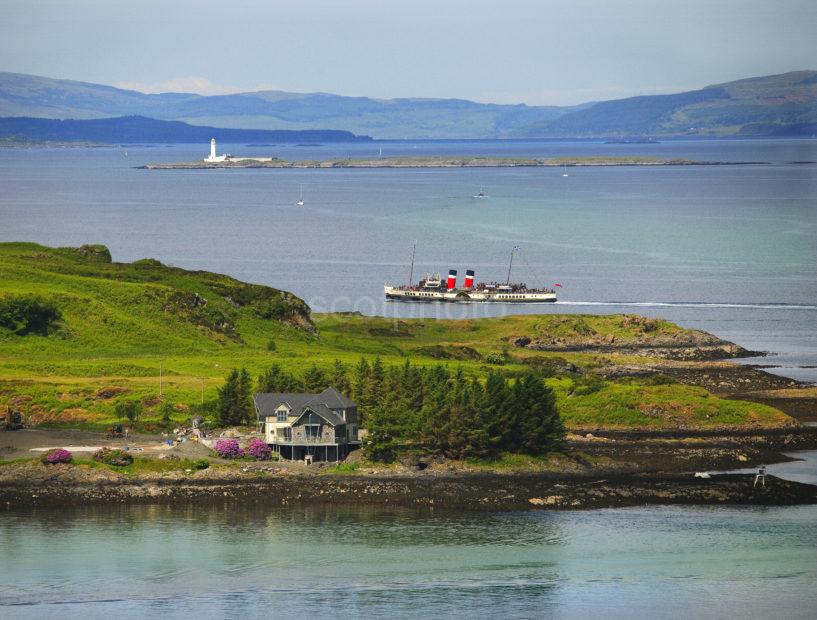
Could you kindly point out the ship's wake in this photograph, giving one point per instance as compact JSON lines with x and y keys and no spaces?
{"x":685,"y":304}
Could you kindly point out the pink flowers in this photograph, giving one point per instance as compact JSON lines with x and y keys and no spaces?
{"x":258,"y":450}
{"x":229,"y":449}
{"x":58,"y":455}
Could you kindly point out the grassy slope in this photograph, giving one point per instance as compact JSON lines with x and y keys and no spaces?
{"x":121,"y":321}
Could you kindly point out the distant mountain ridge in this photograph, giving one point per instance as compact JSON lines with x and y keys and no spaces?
{"x":139,"y":129}
{"x":777,"y":105}
{"x":784,"y":104}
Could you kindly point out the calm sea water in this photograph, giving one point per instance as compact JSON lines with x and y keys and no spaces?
{"x":244,"y":562}
{"x":729,"y":249}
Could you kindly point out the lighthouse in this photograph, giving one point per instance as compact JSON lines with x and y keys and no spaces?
{"x":213,"y":157}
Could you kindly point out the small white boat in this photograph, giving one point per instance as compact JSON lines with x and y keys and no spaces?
{"x":564,"y":171}
{"x":481,"y":193}
{"x":300,"y":202}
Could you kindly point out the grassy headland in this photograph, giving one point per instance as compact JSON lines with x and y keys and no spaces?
{"x":121,"y":322}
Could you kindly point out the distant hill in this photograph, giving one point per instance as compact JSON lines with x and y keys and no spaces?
{"x":138,"y":129}
{"x":777,"y":105}
{"x":28,"y":95}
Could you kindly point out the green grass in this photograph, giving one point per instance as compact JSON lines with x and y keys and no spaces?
{"x":637,"y":404}
{"x":342,"y":468}
{"x":555,"y":461}
{"x":122,"y":321}
{"x":143,"y":465}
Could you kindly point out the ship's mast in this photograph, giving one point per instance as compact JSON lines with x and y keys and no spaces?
{"x":411,"y":271}
{"x":510,"y":265}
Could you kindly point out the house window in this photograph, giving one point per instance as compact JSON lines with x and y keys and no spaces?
{"x":313,"y":431}
{"x":282,"y":416}
{"x":287,"y":434}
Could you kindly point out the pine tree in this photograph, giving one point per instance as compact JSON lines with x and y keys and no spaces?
{"x":276,"y":380}
{"x":360,"y":391}
{"x":386,"y":425}
{"x":339,"y":378}
{"x":497,"y":410}
{"x":244,"y":404}
{"x":540,"y":427}
{"x":467,"y":433}
{"x":234,"y":399}
{"x":435,"y":414}
{"x":360,"y":382}
{"x":314,"y":380}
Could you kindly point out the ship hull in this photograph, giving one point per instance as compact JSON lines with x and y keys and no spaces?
{"x":463,"y":296}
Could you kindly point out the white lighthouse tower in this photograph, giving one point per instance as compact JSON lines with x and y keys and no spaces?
{"x":213,"y":157}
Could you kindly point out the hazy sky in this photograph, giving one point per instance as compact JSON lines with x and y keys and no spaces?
{"x":509,"y":51}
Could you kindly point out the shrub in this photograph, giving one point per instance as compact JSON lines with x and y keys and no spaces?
{"x":495,"y":358}
{"x":201,"y":464}
{"x":229,"y":449}
{"x":271,"y":346}
{"x":58,"y":455}
{"x":274,"y":308}
{"x":29,"y":314}
{"x":130,"y":409}
{"x":166,"y":410}
{"x":110,"y":456}
{"x":660,"y":379}
{"x":259,"y":450}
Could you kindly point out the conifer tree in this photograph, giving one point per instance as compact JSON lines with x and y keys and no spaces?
{"x":467,"y":433}
{"x":276,"y":380}
{"x":314,"y":380}
{"x":339,"y":379}
{"x":360,"y":382}
{"x":540,"y":427}
{"x":234,"y":399}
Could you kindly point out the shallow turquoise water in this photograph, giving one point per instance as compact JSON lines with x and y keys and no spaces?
{"x":223,"y":561}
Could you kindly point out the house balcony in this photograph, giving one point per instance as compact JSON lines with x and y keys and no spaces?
{"x":308,"y":441}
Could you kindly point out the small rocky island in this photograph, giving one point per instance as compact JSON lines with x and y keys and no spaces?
{"x":439,"y":162}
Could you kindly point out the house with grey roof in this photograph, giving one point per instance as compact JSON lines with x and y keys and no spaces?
{"x":322,"y":426}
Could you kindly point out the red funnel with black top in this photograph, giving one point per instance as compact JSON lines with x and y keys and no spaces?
{"x":452,"y":279}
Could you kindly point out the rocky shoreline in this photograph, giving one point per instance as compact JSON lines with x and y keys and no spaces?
{"x":458,"y":491}
{"x":607,"y":469}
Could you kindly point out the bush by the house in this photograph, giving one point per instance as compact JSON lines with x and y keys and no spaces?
{"x":201,"y":464}
{"x":259,"y":450}
{"x":229,"y":449}
{"x":58,"y":455}
{"x":111,"y":456}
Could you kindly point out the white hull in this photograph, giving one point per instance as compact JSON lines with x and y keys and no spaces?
{"x":464,"y":296}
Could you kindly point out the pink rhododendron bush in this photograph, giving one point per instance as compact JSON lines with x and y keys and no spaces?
{"x":58,"y":455}
{"x":229,"y":449}
{"x":258,"y":450}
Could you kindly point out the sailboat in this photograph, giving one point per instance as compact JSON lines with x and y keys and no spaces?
{"x":300,"y":202}
{"x":481,"y":193}
{"x":564,"y":171}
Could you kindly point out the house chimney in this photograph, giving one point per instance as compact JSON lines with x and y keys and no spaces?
{"x":452,"y":279}
{"x":469,"y":278}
